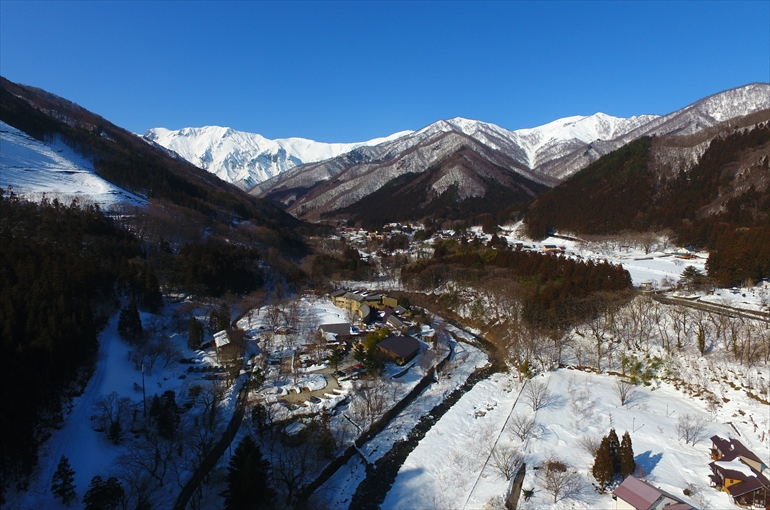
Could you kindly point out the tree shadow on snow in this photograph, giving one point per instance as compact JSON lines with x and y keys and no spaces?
{"x":647,"y":462}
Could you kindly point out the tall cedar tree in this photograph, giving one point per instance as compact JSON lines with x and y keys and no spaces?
{"x":603,"y":469}
{"x":130,"y":324}
{"x":627,"y":464}
{"x":247,"y":486}
{"x":152,"y":299}
{"x":63,"y":481}
{"x":195,"y":335}
{"x":614,"y":450}
{"x":102,"y":495}
{"x":168,"y":416}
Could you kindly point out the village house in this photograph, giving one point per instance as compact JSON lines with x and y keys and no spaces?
{"x":340,"y":331}
{"x":634,"y":494}
{"x":229,"y":345}
{"x":399,"y":349}
{"x":737,"y":471}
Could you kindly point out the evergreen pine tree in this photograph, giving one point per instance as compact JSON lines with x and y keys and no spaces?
{"x":195,"y":335}
{"x":325,"y":438}
{"x":151,"y":297}
{"x":130,"y":324}
{"x":115,"y":434}
{"x":155,"y":407}
{"x":614,"y":450}
{"x":168,"y":419}
{"x":247,"y":486}
{"x":62,"y":483}
{"x":627,"y":464}
{"x":102,"y":495}
{"x":224,"y":317}
{"x":603,"y":469}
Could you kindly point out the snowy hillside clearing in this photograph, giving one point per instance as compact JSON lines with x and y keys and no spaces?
{"x":53,"y":170}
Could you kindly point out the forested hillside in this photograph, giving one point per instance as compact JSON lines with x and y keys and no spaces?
{"x":554,"y":291}
{"x":62,"y":269}
{"x":131,"y":163}
{"x":721,"y":204}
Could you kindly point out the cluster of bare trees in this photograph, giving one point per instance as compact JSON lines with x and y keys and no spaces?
{"x":155,"y":462}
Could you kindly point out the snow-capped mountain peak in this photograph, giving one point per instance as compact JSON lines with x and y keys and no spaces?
{"x":246,"y":159}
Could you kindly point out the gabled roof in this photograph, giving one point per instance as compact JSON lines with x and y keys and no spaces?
{"x":354,"y":296}
{"x":732,"y":448}
{"x":401,"y":346}
{"x":342,"y":328}
{"x":221,"y":338}
{"x":637,"y":493}
{"x":338,"y":293}
{"x":737,"y":470}
{"x":643,"y":496}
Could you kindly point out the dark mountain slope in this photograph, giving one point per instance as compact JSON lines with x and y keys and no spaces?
{"x":714,"y":194}
{"x":463,"y":186}
{"x":131,"y":163}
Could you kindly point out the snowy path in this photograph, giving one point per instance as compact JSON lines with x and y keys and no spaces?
{"x":69,"y":441}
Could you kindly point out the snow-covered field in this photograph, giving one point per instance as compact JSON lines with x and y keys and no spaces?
{"x":35,"y":168}
{"x":451,"y":469}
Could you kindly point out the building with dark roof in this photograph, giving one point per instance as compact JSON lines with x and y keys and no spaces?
{"x":737,"y":471}
{"x":340,"y":330}
{"x":400,"y":348}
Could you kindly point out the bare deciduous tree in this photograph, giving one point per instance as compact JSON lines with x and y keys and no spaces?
{"x":537,"y":394}
{"x":506,"y":461}
{"x":691,"y":428}
{"x":522,"y":425}
{"x":111,"y":409}
{"x":625,"y":391}
{"x":369,"y":402}
{"x":589,"y":444}
{"x":559,"y":480}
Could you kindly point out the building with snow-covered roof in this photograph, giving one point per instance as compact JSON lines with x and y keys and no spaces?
{"x":340,"y":330}
{"x":229,"y":344}
{"x":634,"y":494}
{"x":739,"y":472}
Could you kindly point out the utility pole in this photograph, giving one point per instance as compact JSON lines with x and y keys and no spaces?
{"x":144,"y":394}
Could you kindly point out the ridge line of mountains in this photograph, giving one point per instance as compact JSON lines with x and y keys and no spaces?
{"x":465,"y":158}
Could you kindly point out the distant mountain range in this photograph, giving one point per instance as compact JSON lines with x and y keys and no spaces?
{"x":246,"y":159}
{"x":464,"y":157}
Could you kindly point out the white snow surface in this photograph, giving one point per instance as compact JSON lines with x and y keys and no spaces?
{"x":585,"y":404}
{"x":247,"y":159}
{"x":35,"y":168}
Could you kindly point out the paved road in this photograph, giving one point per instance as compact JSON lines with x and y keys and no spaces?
{"x":713,"y":307}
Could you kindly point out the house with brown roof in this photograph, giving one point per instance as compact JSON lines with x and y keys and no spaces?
{"x":634,"y":494}
{"x":400,"y":349}
{"x":739,"y":472}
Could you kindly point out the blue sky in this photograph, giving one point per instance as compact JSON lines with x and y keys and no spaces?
{"x":351,"y":71}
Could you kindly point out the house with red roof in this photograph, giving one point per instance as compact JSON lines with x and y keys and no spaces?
{"x":634,"y":494}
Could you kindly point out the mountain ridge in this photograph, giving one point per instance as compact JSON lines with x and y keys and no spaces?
{"x":245,"y":159}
